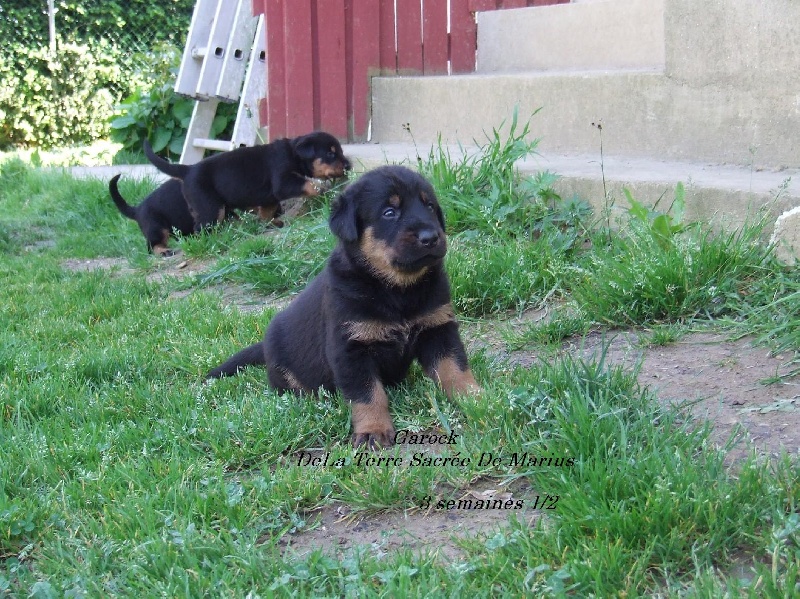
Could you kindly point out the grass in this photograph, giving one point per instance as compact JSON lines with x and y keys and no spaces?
{"x":123,"y":474}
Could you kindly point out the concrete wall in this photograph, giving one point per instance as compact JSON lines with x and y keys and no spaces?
{"x":738,"y":61}
{"x":728,"y":93}
{"x":573,"y":37}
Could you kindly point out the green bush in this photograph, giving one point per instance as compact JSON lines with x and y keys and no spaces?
{"x":67,"y":99}
{"x":126,"y":22}
{"x":155,"y":112}
{"x":57,"y":100}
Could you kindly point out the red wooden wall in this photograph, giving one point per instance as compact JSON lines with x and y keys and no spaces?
{"x":321,"y":55}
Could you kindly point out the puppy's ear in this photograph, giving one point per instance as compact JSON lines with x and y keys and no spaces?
{"x":344,"y":219}
{"x":440,"y":216}
{"x":304,"y":147}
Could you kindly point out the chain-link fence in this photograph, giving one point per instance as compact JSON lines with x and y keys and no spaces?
{"x":135,"y":28}
{"x":65,"y":63}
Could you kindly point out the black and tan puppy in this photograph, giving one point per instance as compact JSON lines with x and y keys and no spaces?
{"x":162,"y":213}
{"x":382,"y":301}
{"x":256,"y":177}
{"x":158,"y":215}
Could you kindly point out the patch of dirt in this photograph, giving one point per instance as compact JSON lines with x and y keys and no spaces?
{"x":77,"y":265}
{"x":172,"y":266}
{"x":432,"y":529}
{"x":727,"y":381}
{"x":337,"y":530}
{"x":179,"y":267}
{"x":734,"y":384}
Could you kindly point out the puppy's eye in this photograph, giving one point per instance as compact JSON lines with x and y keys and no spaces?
{"x":430,"y":207}
{"x":390,"y":213}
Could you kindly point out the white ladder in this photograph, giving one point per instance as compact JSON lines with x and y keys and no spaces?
{"x":224,"y":60}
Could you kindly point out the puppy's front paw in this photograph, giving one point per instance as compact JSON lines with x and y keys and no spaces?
{"x":373,"y":440}
{"x":312,"y":187}
{"x":372,"y":423}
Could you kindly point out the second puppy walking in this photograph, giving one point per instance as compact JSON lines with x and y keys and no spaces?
{"x":257,"y":177}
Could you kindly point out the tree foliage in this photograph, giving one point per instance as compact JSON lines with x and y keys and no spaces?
{"x":66,"y":97}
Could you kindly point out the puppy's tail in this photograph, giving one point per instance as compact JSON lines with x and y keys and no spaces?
{"x":122,"y":205}
{"x":249,"y":356}
{"x":173,"y":170}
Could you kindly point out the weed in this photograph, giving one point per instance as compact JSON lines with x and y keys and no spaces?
{"x":663,"y":226}
{"x":664,"y":334}
{"x":664,"y":272}
{"x":772,"y":312}
{"x":482,"y":190}
{"x":552,"y":331}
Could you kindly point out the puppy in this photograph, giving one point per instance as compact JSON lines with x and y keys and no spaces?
{"x":256,"y":177}
{"x":158,"y":215}
{"x":382,"y":301}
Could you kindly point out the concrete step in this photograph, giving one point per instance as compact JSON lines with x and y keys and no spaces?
{"x":726,"y":197}
{"x":642,"y":114}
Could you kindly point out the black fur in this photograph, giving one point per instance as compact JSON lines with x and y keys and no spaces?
{"x":382,"y":300}
{"x":255,"y":177}
{"x":158,"y":215}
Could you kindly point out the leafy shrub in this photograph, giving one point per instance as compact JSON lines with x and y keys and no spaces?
{"x":57,"y":100}
{"x":126,"y":22}
{"x":155,"y":112}
{"x":67,"y":99}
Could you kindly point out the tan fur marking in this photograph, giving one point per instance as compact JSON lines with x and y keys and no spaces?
{"x":162,"y":248}
{"x":310,"y":189}
{"x":440,"y":316}
{"x":221,"y":215}
{"x":372,"y":331}
{"x":372,"y":423}
{"x":369,"y":331}
{"x":267,"y":212}
{"x":322,"y":170}
{"x":453,"y":380}
{"x":291,"y":380}
{"x":379,"y":258}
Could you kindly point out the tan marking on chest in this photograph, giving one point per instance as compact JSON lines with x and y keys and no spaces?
{"x":375,"y":331}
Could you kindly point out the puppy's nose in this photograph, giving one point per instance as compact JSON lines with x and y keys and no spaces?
{"x":428,"y":237}
{"x":347,"y":165}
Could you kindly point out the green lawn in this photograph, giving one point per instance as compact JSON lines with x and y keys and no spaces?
{"x":123,"y":474}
